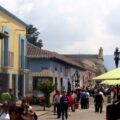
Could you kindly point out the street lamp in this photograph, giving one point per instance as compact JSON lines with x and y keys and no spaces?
{"x":116,"y":57}
{"x":3,"y":35}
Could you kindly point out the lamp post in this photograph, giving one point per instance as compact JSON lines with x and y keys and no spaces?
{"x":117,"y":58}
{"x":2,"y":35}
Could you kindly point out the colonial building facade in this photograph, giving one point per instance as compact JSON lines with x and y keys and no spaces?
{"x":93,"y":63}
{"x":12,"y":53}
{"x":46,"y":65}
{"x":67,"y":72}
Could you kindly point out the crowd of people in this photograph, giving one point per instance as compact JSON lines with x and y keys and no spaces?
{"x":64,"y":102}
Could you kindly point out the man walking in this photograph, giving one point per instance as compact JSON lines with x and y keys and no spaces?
{"x":64,"y":105}
{"x":98,"y":102}
{"x":83,"y":99}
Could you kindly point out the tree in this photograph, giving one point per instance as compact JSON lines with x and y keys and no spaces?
{"x":46,"y":87}
{"x":33,"y":36}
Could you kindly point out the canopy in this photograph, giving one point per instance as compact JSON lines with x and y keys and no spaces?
{"x":42,"y":73}
{"x":111,"y":82}
{"x":111,"y":75}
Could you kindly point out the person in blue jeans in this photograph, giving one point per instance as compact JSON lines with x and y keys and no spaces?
{"x":64,"y":105}
{"x":83,"y":99}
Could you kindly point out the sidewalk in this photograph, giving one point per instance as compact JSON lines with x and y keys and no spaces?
{"x":39,"y":110}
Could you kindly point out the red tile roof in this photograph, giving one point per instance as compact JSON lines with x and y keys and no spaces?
{"x":81,"y":57}
{"x":35,"y":52}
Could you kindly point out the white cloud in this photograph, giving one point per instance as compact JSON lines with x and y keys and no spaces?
{"x":9,"y":4}
{"x":72,"y":26}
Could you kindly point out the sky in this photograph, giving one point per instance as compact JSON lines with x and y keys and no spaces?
{"x":72,"y":26}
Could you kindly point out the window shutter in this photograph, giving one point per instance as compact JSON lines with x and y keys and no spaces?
{"x":22,"y":51}
{"x":5,"y":47}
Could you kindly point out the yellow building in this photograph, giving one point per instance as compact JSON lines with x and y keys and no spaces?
{"x":12,"y":53}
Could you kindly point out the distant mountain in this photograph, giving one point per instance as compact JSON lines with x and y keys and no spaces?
{"x":109,"y":62}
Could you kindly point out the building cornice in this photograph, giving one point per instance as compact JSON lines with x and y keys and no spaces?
{"x":12,"y":16}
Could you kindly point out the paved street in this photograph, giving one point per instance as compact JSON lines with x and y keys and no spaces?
{"x":78,"y":115}
{"x":88,"y":114}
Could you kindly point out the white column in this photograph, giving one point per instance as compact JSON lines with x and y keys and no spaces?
{"x":10,"y":81}
{"x":16,"y":84}
{"x":24,"y":85}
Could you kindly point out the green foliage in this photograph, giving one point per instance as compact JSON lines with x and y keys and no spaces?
{"x":33,"y":35}
{"x":46,"y":87}
{"x":5,"y":96}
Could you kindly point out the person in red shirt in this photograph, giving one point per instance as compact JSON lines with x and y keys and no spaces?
{"x":71,"y":100}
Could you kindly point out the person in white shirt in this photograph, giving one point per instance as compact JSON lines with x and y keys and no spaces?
{"x":4,"y":114}
{"x":57,"y":101}
{"x":87,"y":99}
{"x":102,"y":94}
{"x":101,"y":106}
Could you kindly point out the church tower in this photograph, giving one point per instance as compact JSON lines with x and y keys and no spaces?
{"x":100,"y":56}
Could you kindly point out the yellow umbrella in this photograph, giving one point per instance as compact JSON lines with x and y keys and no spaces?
{"x":111,"y":82}
{"x":111,"y":75}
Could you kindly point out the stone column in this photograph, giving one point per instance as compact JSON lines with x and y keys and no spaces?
{"x":24,"y":85}
{"x":16,"y":84}
{"x":10,"y":81}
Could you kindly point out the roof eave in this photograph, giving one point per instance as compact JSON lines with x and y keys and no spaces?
{"x":13,"y":16}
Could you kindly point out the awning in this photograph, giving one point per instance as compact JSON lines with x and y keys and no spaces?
{"x":42,"y":73}
{"x":113,"y":74}
{"x":111,"y":82}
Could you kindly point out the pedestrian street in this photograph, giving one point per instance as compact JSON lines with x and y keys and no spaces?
{"x":84,"y":114}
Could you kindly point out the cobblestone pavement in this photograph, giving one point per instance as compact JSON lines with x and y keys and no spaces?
{"x":87,"y":114}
